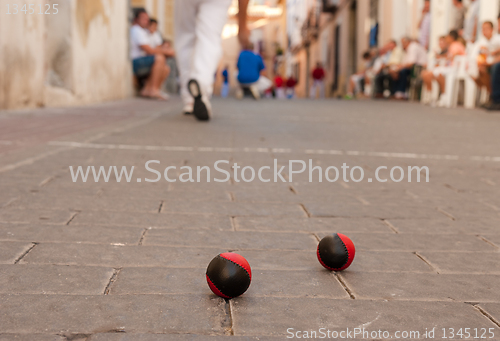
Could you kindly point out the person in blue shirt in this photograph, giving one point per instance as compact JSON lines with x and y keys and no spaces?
{"x":251,"y":73}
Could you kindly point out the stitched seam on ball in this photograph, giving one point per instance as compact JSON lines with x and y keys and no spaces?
{"x":215,"y":285}
{"x":346,"y":250}
{"x":237,"y":265}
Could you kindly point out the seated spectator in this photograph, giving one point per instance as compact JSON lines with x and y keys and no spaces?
{"x":455,"y":48}
{"x":147,"y":61}
{"x":356,"y":80}
{"x":390,"y":56}
{"x":443,"y":48}
{"x":154,"y":35}
{"x":487,"y":52}
{"x":415,"y":55}
{"x":484,"y":50}
{"x":251,"y":73}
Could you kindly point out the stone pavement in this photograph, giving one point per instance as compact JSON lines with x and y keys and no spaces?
{"x":126,"y":261}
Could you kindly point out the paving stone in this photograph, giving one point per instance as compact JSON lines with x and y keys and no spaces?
{"x":52,"y":279}
{"x":161,"y":288}
{"x":231,"y":239}
{"x":71,"y":234}
{"x":493,"y":238}
{"x":145,"y":220}
{"x":31,"y":337}
{"x":273,"y":316}
{"x":233,"y":208}
{"x":270,"y":194}
{"x":382,"y":212}
{"x":365,"y":261}
{"x":493,"y":309}
{"x":180,"y":337}
{"x":446,"y":225}
{"x":120,"y":256}
{"x":11,"y":251}
{"x":417,"y":242}
{"x":311,"y":224}
{"x":93,"y":314}
{"x":11,"y":215}
{"x":92,"y":203}
{"x":426,"y":287}
{"x":197,"y":195}
{"x":133,"y":281}
{"x":464,"y":262}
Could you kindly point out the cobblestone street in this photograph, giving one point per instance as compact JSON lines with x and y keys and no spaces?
{"x":126,"y":261}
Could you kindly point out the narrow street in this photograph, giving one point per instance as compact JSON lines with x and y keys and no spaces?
{"x":126,"y":261}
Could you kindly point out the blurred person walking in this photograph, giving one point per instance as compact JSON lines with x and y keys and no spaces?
{"x":318,"y":76}
{"x":198,"y":29}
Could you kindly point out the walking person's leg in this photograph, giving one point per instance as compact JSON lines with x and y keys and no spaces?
{"x":185,"y":39}
{"x":210,"y":20}
{"x":322,"y":89}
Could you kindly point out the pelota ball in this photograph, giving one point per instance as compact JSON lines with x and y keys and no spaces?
{"x":336,"y":252}
{"x":229,"y":275}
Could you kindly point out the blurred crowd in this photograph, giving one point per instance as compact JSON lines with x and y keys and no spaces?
{"x":469,"y":53}
{"x":399,"y":70}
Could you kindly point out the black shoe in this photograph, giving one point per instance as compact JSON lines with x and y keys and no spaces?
{"x":188,"y":113}
{"x":201,"y":108}
{"x":492,"y":106}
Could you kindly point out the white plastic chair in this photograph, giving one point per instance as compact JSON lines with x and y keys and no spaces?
{"x":452,"y":80}
{"x":470,"y":88}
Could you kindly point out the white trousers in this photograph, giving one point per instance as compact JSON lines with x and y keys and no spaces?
{"x":198,"y":29}
{"x":262,"y":84}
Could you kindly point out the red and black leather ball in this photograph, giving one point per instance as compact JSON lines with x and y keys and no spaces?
{"x":336,"y":252}
{"x":229,"y":275}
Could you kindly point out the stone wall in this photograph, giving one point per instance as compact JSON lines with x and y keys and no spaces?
{"x":77,"y":56}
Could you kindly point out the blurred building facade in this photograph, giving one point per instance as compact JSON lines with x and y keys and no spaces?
{"x":161,"y":10}
{"x":267,"y":21}
{"x":337,"y":32}
{"x":81,"y":54}
{"x":77,"y":56}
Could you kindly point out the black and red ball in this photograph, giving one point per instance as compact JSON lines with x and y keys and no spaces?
{"x":229,"y":275}
{"x":336,"y":252}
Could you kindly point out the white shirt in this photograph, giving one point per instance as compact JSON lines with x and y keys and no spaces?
{"x":138,"y":38}
{"x":470,"y":18}
{"x":489,"y":45}
{"x":155,"y":39}
{"x":415,"y":54}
